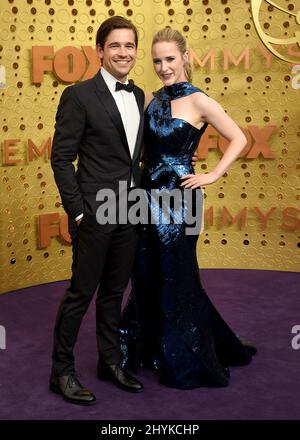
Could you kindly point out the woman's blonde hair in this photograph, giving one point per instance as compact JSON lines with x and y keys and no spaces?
{"x":172,"y":35}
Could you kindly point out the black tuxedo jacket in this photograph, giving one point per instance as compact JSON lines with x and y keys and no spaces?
{"x":89,"y":126}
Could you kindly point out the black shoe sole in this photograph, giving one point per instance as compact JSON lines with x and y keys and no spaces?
{"x":124,"y":388}
{"x":55,"y":389}
{"x":251,"y":350}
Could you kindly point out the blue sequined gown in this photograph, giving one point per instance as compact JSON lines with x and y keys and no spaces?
{"x":170,"y":321}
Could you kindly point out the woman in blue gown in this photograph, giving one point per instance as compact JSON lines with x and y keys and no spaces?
{"x":170,"y":321}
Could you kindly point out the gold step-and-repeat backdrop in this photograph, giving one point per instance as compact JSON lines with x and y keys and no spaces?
{"x":245,"y":55}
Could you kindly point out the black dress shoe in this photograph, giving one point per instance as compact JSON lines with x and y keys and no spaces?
{"x":120,"y":377}
{"x":250,"y":347}
{"x":71,"y":389}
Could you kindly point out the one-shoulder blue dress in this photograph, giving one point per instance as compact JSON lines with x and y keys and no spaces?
{"x":170,"y":322}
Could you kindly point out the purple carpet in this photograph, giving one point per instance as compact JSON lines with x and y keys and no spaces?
{"x":260,"y":305}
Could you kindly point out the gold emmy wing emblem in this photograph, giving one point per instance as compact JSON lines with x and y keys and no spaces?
{"x":277,"y":45}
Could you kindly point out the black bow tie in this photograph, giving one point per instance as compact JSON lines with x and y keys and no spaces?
{"x":128,"y":87}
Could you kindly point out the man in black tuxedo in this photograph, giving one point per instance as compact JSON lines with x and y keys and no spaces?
{"x":100,"y":122}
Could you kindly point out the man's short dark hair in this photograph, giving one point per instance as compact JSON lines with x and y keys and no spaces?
{"x":115,"y":22}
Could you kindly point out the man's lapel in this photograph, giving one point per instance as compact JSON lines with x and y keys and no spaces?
{"x":140,"y":102}
{"x":110,"y":106}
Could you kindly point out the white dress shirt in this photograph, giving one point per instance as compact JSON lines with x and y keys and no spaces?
{"x":127,"y":107}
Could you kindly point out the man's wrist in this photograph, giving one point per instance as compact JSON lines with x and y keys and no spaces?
{"x":79,"y":217}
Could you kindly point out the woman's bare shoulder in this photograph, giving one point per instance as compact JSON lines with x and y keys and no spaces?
{"x":203,"y":101}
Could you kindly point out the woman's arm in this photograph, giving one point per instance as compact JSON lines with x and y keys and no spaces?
{"x":212,"y":113}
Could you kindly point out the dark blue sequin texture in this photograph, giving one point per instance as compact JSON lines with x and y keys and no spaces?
{"x":170,"y":321}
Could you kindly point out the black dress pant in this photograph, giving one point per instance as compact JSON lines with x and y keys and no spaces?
{"x":103,"y":258}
